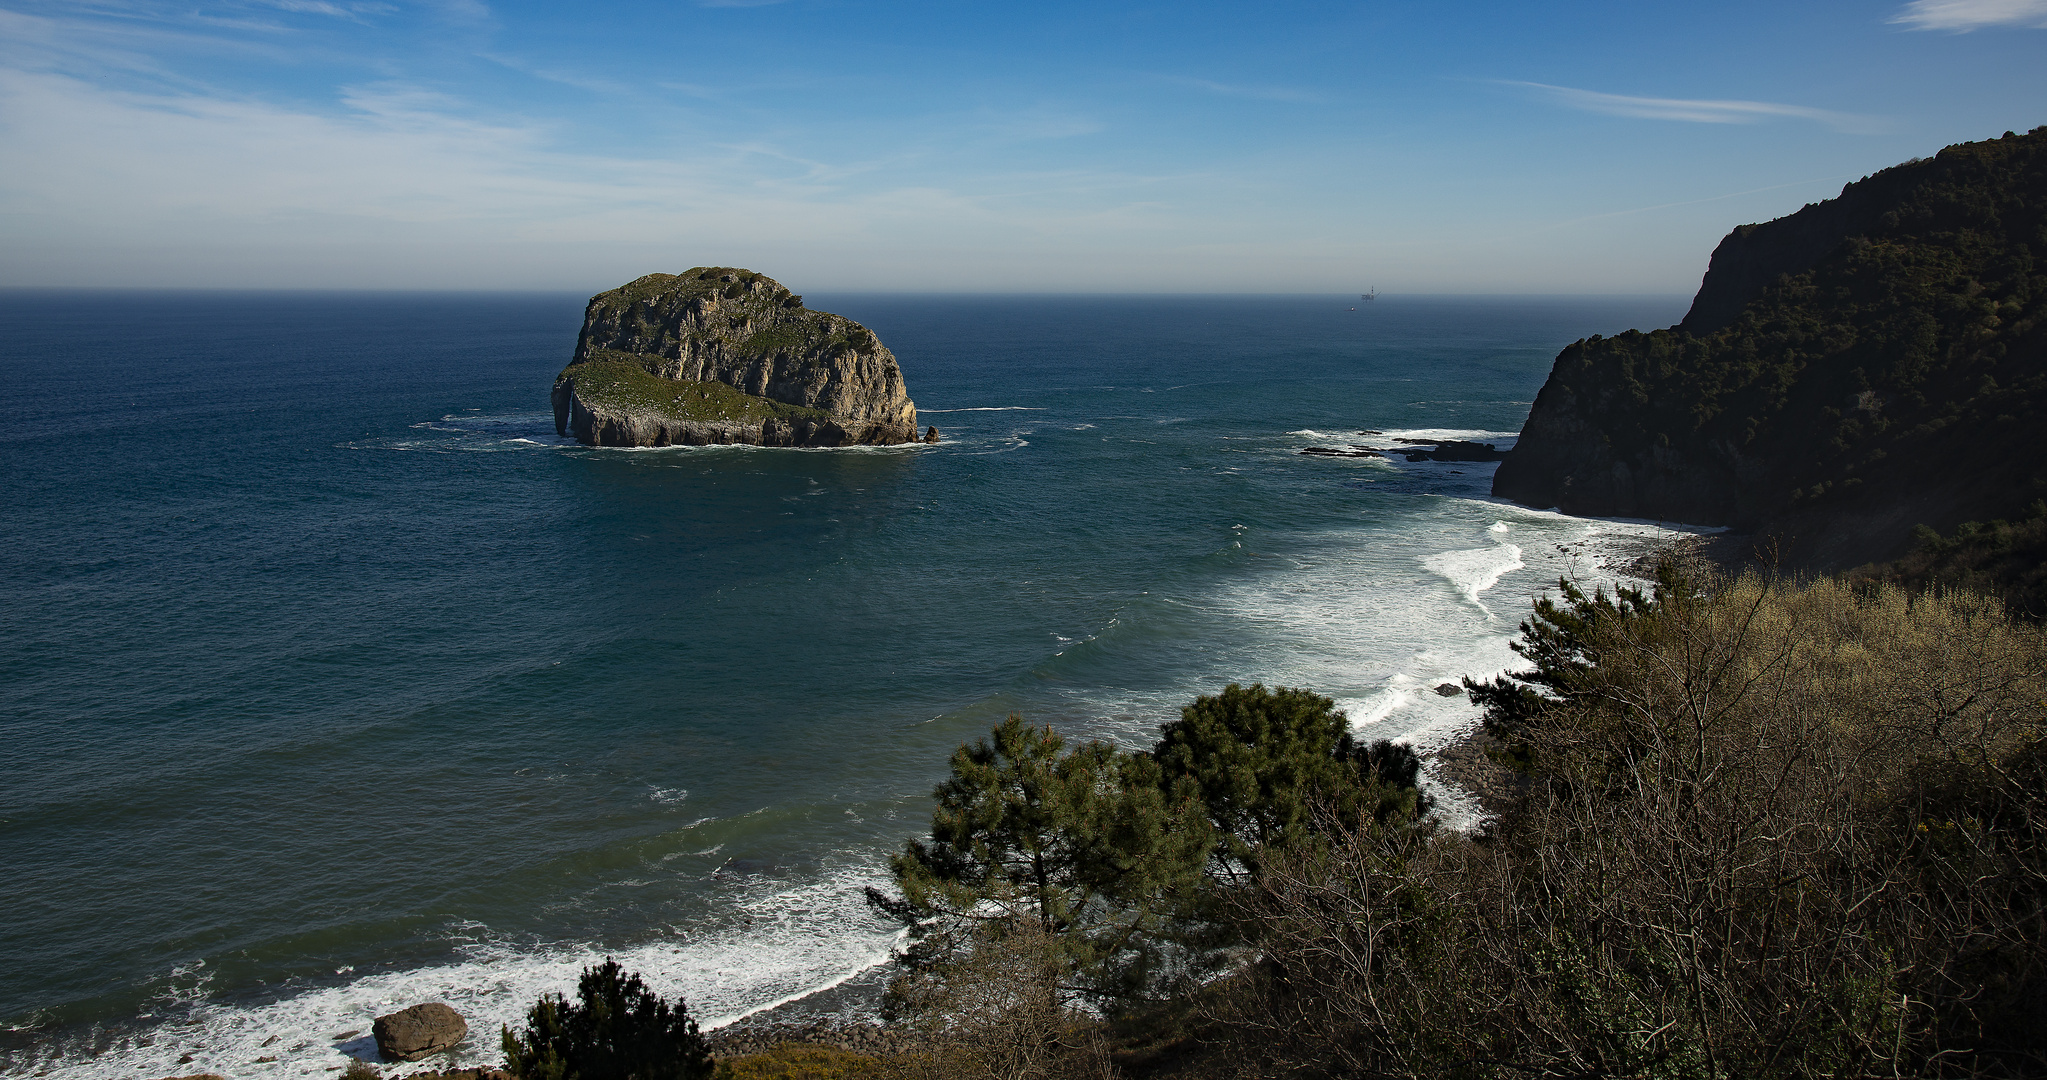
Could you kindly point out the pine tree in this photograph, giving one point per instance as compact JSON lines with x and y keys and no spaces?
{"x":1083,"y":844}
{"x":617,"y":1030}
{"x":1273,"y":767}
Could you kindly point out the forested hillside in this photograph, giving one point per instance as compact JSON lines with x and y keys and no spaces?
{"x":1867,"y":365}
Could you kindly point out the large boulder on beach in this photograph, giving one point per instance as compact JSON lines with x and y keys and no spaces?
{"x":411,"y":1034}
{"x":718,"y":354}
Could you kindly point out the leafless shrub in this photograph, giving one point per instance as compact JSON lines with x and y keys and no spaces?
{"x":991,"y":1006}
{"x":1794,"y":831}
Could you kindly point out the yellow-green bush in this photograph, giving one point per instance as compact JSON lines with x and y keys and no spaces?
{"x":801,"y":1061}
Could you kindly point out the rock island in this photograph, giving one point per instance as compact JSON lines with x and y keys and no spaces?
{"x":723,"y":355}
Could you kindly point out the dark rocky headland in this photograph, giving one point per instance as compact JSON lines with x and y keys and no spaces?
{"x":1865,"y":366}
{"x":723,"y":355}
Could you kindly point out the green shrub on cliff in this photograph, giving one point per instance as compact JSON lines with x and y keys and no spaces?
{"x":2005,"y":559}
{"x":616,"y":1029}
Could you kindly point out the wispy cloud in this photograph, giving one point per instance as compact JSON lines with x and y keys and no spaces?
{"x":1962,"y":16}
{"x":354,"y":12}
{"x":405,"y":186}
{"x":1258,"y":93}
{"x":1692,"y":110}
{"x":135,"y":47}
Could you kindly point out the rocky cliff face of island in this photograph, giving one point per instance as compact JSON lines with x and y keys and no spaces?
{"x":724,"y":355}
{"x":1868,"y":364}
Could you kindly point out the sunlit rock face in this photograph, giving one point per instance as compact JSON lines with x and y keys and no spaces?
{"x":724,"y":355}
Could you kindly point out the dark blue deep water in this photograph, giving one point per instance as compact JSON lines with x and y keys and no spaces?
{"x":331,"y":680}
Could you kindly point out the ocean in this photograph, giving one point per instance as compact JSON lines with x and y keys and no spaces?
{"x":332,"y":681}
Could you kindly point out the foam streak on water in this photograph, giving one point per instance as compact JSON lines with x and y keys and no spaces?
{"x":1476,"y":570}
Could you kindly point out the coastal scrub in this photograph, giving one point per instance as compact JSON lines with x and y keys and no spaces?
{"x":624,"y":383}
{"x":1769,"y":830}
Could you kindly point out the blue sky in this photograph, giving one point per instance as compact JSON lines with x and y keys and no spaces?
{"x":860,"y":144}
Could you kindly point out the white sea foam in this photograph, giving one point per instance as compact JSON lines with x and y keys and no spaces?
{"x":1448,"y":435}
{"x":1014,"y":442}
{"x":1475,"y":570}
{"x":785,"y":940}
{"x":452,"y":433}
{"x":1360,"y":613}
{"x":1382,"y":438}
{"x":712,"y":448}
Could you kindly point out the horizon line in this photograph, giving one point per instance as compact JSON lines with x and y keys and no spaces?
{"x":564,"y":291}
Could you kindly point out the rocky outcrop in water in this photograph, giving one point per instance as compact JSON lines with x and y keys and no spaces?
{"x":1868,"y":364}
{"x":1415,"y":450}
{"x":1446,"y":450}
{"x":724,"y":355}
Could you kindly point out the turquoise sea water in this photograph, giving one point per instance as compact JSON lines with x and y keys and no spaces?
{"x":331,"y":680}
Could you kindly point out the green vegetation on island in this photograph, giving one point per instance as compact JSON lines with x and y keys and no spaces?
{"x":754,"y":314}
{"x":724,"y":355}
{"x":622,"y":381}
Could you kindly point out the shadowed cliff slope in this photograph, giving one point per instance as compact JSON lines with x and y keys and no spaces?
{"x":723,"y":355}
{"x":1868,"y":364}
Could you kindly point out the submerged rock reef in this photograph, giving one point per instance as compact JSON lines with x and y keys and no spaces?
{"x":1414,"y":450}
{"x":719,"y":355}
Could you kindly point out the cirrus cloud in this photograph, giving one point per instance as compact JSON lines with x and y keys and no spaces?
{"x":1692,"y":110}
{"x":1962,"y":16}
